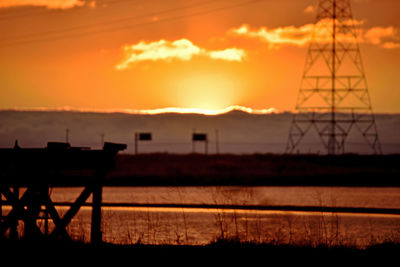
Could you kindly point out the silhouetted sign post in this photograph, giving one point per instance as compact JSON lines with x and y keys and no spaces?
{"x":200,"y":137}
{"x":141,"y":137}
{"x":216,"y":141}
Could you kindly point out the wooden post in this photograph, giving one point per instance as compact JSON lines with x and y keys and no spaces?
{"x":1,"y":212}
{"x":14,"y":224}
{"x":102,"y":140}
{"x":46,"y":212}
{"x":1,"y":207}
{"x":193,"y":144}
{"x":136,"y":143}
{"x":96,"y":234}
{"x":46,"y":222}
{"x":31,"y":212}
{"x":67,"y":135}
{"x":216,"y":142}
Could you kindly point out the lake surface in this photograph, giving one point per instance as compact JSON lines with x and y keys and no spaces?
{"x":127,"y":225}
{"x":374,"y":197}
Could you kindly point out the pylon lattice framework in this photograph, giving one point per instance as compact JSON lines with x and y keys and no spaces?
{"x":333,"y":96}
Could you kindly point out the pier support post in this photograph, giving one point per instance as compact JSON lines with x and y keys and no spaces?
{"x":96,"y":234}
{"x":14,"y":223}
{"x":1,"y":213}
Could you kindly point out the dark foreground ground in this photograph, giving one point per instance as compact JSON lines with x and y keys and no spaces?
{"x":256,"y":169}
{"x":218,"y":253}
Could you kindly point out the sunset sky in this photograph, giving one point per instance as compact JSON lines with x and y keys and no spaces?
{"x":107,"y":55}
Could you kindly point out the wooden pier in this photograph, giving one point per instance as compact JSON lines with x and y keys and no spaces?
{"x":26,"y":176}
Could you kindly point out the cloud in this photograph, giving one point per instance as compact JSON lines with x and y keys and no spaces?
{"x":182,"y":49}
{"x":229,"y":54}
{"x":385,"y":37}
{"x":51,"y":4}
{"x":290,"y":35}
{"x":309,"y":10}
{"x":390,"y":45}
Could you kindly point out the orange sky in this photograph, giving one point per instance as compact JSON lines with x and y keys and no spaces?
{"x":129,"y":54}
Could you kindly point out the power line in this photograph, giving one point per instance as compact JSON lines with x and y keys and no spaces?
{"x":107,"y":23}
{"x":127,"y":27}
{"x":21,"y":11}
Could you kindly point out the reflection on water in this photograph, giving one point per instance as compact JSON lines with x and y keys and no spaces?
{"x":200,"y":226}
{"x":189,"y":226}
{"x":372,"y":197}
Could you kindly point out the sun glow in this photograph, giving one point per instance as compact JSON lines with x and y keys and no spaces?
{"x":206,"y":111}
{"x":206,"y":90}
{"x":156,"y":110}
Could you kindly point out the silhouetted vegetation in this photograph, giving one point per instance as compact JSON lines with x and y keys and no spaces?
{"x":222,"y":250}
{"x":257,"y":169}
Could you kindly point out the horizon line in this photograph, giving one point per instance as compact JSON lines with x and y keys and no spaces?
{"x":166,"y":110}
{"x":155,"y":111}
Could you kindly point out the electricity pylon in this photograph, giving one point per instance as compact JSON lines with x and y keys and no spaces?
{"x":333,"y":97}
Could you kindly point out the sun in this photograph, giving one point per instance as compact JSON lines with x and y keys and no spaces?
{"x":208,"y":92}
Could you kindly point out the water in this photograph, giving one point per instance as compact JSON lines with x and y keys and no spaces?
{"x":372,"y":197}
{"x":129,"y":225}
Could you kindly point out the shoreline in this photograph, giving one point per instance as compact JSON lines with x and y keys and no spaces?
{"x":158,"y":169}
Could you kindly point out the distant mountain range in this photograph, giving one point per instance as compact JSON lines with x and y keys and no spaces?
{"x":238,"y":132}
